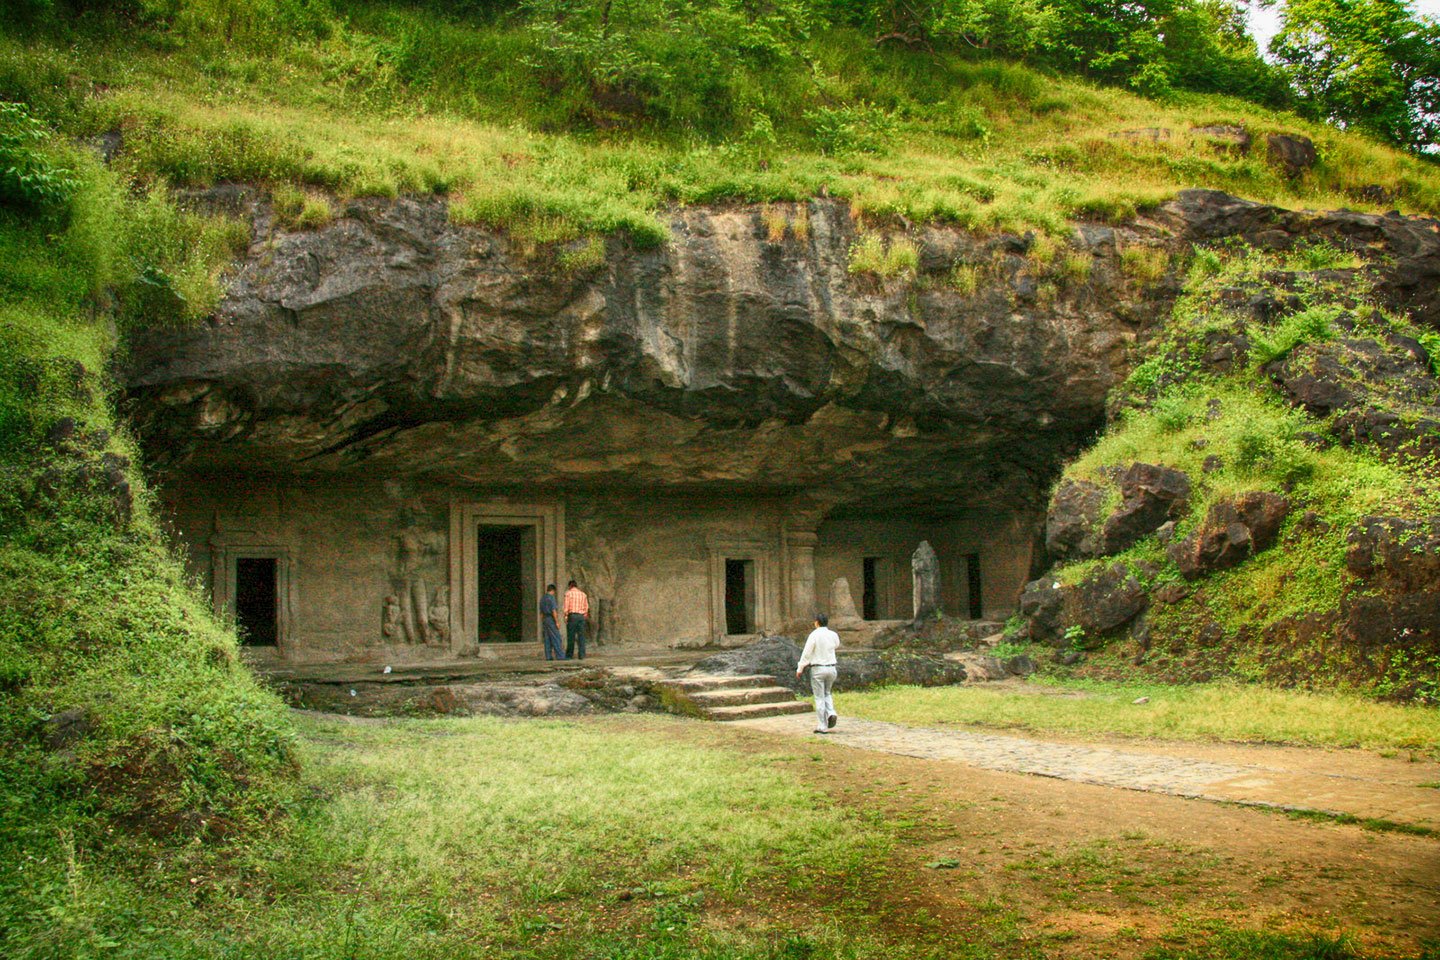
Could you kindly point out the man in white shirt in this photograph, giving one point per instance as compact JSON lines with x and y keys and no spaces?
{"x":819,"y":656}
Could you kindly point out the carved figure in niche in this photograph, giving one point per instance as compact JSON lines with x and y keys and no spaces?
{"x":594,"y":562}
{"x":390,"y":623}
{"x":415,"y":548}
{"x":439,"y":616}
{"x":925,"y":567}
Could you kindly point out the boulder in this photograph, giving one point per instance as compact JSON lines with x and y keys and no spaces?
{"x":1228,"y":137}
{"x":1292,"y":153}
{"x":1151,"y":494}
{"x":1232,"y":531}
{"x":1396,"y":597}
{"x":1105,"y":601}
{"x":1070,"y":523}
{"x":1042,"y":604}
{"x":772,"y":656}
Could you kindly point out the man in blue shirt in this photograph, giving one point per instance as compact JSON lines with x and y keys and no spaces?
{"x":550,"y":619}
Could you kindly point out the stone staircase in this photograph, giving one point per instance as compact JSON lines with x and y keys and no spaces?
{"x":728,"y":698}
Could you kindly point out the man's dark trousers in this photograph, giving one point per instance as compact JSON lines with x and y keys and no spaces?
{"x":575,"y":635}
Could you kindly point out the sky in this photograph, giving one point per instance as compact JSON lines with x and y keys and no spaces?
{"x":1264,"y":23}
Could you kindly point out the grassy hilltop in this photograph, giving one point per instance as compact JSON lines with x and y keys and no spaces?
{"x":554,"y":126}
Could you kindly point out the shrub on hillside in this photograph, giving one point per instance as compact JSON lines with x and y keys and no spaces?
{"x":123,"y":704}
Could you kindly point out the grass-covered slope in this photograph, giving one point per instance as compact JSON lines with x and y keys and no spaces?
{"x":553,"y":127}
{"x":124,"y":712}
{"x":1276,"y":375}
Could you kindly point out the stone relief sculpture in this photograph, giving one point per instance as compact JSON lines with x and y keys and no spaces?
{"x":438,"y":618}
{"x":418,"y":548}
{"x":925,"y":567}
{"x":390,"y":621}
{"x":594,"y":564}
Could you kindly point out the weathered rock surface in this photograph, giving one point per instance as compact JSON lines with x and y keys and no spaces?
{"x":1232,"y":531}
{"x":1293,"y":154}
{"x":1150,"y":495}
{"x":395,"y":341}
{"x":519,"y":699}
{"x":1071,"y":520}
{"x":1099,"y":605}
{"x":1105,"y":601}
{"x":1042,"y":604}
{"x":1398,"y":599}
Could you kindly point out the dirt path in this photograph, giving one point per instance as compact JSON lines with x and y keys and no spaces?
{"x":1287,"y":780}
{"x":1042,"y":866}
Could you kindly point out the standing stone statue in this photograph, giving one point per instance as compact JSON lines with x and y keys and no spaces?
{"x":438,"y":617}
{"x":842,"y":606}
{"x":390,"y":624}
{"x":925,"y":567}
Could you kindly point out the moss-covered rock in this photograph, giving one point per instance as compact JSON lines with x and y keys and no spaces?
{"x":1300,"y":401}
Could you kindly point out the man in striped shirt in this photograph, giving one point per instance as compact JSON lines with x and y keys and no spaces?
{"x":577,"y":611}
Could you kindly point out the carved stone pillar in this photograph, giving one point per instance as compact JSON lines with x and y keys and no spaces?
{"x":800,"y":548}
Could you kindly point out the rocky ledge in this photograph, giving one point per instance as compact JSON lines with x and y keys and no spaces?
{"x":749,"y":352}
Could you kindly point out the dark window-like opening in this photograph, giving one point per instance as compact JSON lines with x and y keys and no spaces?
{"x":870,"y":599}
{"x":972,"y":582}
{"x":739,"y":596}
{"x":499,"y":582}
{"x":257,"y":616}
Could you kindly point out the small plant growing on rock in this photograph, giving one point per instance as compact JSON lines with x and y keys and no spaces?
{"x":1145,"y":264}
{"x":300,"y":209}
{"x":587,"y":256}
{"x":870,"y":254}
{"x":965,"y":279}
{"x":775,"y":222}
{"x":1075,"y":268}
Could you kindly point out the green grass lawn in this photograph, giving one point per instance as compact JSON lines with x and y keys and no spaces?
{"x":1213,"y":712}
{"x":482,"y":838}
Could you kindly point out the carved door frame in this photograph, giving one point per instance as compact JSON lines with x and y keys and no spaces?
{"x":762,"y":554}
{"x":466,"y":518}
{"x":228,"y":548}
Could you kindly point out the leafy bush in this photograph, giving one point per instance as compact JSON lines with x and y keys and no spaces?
{"x":854,"y":128}
{"x":1311,"y":325}
{"x":28,"y":174}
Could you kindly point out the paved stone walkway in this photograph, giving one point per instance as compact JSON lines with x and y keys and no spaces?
{"x":1134,"y":769}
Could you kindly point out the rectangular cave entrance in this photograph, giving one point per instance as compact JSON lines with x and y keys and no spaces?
{"x":257,"y":595}
{"x":503,"y":555}
{"x":739,"y":597}
{"x":870,"y":595}
{"x":972,"y":586}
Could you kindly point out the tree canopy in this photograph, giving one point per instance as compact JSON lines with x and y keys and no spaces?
{"x":1369,"y":64}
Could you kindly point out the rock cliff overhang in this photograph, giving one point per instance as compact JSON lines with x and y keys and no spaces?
{"x":734,"y":358}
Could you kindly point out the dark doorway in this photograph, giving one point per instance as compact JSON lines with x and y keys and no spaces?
{"x":499,"y":582}
{"x":257,"y":616}
{"x":739,"y":596}
{"x":972,"y":584}
{"x":870,"y":598}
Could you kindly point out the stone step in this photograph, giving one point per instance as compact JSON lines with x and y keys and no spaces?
{"x":749,"y":711}
{"x":695,"y":684}
{"x":734,"y":696}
